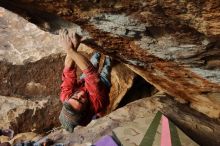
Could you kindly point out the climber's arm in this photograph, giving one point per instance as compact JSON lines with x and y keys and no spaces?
{"x":81,"y":61}
{"x":70,"y":43}
{"x":69,"y":63}
{"x":69,"y":78}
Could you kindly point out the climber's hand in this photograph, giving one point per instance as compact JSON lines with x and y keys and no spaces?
{"x":66,"y":41}
{"x":76,"y":39}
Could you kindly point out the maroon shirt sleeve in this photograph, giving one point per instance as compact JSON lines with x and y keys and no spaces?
{"x":69,"y":79}
{"x":98,"y":92}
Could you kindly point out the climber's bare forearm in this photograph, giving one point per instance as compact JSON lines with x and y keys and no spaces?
{"x":69,"y":63}
{"x":81,"y":61}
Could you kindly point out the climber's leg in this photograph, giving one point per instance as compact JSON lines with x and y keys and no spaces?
{"x":105,"y":73}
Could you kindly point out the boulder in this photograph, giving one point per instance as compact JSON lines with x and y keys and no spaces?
{"x":23,"y":115}
{"x":130,"y":123}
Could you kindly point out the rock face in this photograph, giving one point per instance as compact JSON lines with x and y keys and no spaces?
{"x":122,"y":81}
{"x":129,"y":124}
{"x":174,"y":45}
{"x":25,"y":115}
{"x":18,"y":40}
{"x":169,"y":40}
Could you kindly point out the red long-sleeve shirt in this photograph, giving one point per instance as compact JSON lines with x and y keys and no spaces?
{"x":97,"y":91}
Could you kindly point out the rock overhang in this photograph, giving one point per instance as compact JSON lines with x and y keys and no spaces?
{"x":165,"y":41}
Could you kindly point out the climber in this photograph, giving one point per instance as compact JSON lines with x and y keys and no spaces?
{"x":84,"y":99}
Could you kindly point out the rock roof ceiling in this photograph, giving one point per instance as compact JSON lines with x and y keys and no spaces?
{"x":174,"y":45}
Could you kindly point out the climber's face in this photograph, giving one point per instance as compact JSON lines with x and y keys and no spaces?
{"x":79,"y":100}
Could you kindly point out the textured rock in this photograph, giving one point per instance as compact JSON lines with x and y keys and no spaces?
{"x":23,"y":115}
{"x":12,"y":107}
{"x":22,"y":41}
{"x":122,"y":81}
{"x":201,"y":102}
{"x":201,"y":15}
{"x":132,"y":133}
{"x":21,"y":137}
{"x":138,"y":115}
{"x":4,"y":139}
